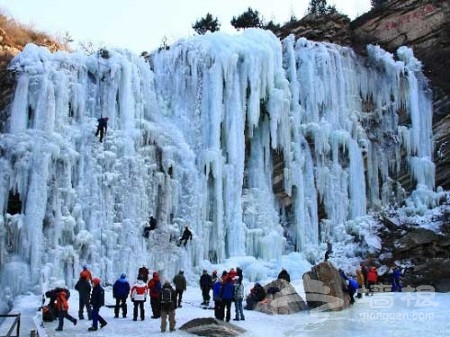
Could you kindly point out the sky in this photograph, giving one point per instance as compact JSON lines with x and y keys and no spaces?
{"x":141,"y":25}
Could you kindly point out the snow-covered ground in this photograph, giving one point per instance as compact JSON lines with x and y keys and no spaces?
{"x":385,"y":314}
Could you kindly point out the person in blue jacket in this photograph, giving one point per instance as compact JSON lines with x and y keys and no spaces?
{"x":217,"y":289}
{"x":396,"y":279}
{"x":352,"y":287}
{"x":227,"y":295}
{"x":121,"y":289}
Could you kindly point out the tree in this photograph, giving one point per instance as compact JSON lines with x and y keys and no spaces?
{"x":272,"y":26}
{"x":320,"y":7}
{"x":206,"y":24}
{"x":248,"y":19}
{"x":378,"y":3}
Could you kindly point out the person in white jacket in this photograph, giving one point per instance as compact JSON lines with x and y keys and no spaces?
{"x":138,"y":296}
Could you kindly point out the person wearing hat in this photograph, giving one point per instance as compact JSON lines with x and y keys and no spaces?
{"x":86,"y":273}
{"x":154,"y":288}
{"x":168,"y":306}
{"x":102,"y":127}
{"x":83,"y":286}
{"x":121,"y":289}
{"x":97,"y":301}
{"x":180,"y":286}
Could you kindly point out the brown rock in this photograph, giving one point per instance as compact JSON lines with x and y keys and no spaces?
{"x":324,"y":288}
{"x":211,"y":327}
{"x":284,"y":302}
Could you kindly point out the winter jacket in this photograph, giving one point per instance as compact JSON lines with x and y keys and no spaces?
{"x":232,"y":274}
{"x":139,"y":291}
{"x":352,"y":285}
{"x":372,"y":275}
{"x":238,"y":291}
{"x":217,"y":288}
{"x":205,"y":281}
{"x":179,"y":281}
{"x":97,"y":297}
{"x":171,"y":306}
{"x":143,"y":271}
{"x":258,"y":292}
{"x":154,"y":286}
{"x":83,"y":286}
{"x":284,"y":275}
{"x":86,"y":274}
{"x":227,"y":291}
{"x":121,"y":288}
{"x":61,"y":301}
{"x":103,"y":122}
{"x":239,"y":276}
{"x":360,"y":278}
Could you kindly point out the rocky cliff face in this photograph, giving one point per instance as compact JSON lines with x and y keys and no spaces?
{"x":423,"y":25}
{"x":13,"y":38}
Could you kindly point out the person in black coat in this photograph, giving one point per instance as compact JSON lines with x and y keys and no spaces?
{"x":121,"y":289}
{"x":97,"y":301}
{"x":284,"y":275}
{"x":187,"y":235}
{"x":257,"y":294}
{"x":205,"y":285}
{"x":83,"y":286}
{"x":102,"y":127}
{"x":151,"y":226}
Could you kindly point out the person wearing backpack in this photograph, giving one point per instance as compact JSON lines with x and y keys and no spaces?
{"x":168,"y":306}
{"x":180,"y":286}
{"x":138,"y":297}
{"x":63,"y":307}
{"x":154,"y":288}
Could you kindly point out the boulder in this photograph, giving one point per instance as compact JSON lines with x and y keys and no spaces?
{"x":284,"y":302}
{"x":211,"y":327}
{"x":324,"y":288}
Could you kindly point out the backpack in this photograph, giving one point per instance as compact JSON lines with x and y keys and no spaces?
{"x":166,"y":295}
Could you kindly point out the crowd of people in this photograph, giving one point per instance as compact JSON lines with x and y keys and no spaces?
{"x":166,"y":297}
{"x":366,"y":281}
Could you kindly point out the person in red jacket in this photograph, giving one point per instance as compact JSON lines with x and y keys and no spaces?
{"x":154,"y":288}
{"x":63,"y":306}
{"x":86,"y":273}
{"x":372,"y":279}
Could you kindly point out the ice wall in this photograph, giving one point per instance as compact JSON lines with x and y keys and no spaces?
{"x":193,"y":138}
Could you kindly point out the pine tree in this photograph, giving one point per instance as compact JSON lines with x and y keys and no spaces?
{"x":378,"y":3}
{"x":320,"y":7}
{"x":206,"y":24}
{"x":248,"y":19}
{"x":272,"y":26}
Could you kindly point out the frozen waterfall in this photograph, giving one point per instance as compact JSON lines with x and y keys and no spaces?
{"x":261,"y":146}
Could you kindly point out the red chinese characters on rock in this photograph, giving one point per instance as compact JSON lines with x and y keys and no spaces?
{"x":418,"y":14}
